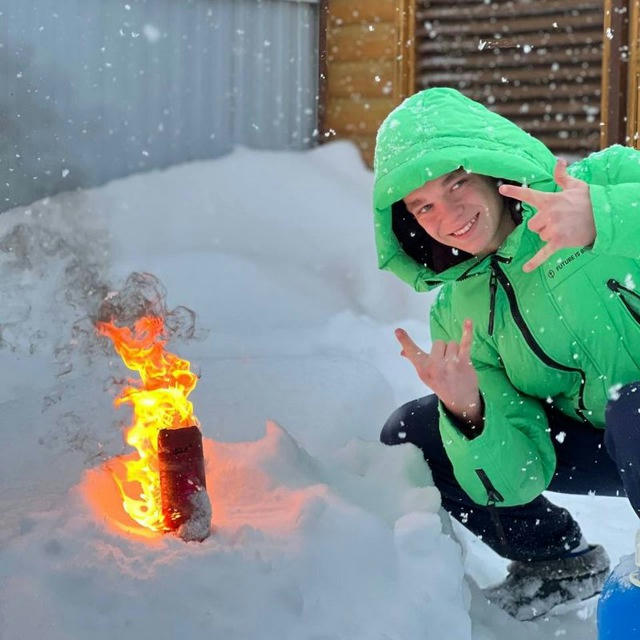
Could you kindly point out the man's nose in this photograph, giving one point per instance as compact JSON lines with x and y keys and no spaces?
{"x":453,"y":207}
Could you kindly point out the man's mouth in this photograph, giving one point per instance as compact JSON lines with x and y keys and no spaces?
{"x":462,"y":231}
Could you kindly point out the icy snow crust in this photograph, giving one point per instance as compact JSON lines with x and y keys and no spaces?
{"x":318,"y":531}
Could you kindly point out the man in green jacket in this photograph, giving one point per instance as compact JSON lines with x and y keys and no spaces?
{"x":535,"y":330}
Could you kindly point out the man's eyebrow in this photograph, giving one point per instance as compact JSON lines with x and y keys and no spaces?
{"x":452,"y":176}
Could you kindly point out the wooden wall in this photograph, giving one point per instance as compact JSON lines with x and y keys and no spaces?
{"x":367,"y":67}
{"x":567,"y":71}
{"x":537,"y":63}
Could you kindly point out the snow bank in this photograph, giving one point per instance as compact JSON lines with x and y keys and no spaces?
{"x":294,"y":554}
{"x":317,"y":543}
{"x":320,"y":532}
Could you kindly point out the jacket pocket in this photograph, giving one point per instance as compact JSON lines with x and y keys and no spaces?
{"x":629,"y":298}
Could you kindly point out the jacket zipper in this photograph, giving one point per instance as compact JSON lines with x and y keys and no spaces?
{"x":493,"y":286}
{"x":614,"y":285}
{"x":531,"y":341}
{"x":493,"y":496}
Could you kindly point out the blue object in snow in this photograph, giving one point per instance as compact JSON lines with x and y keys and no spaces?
{"x":619,"y":605}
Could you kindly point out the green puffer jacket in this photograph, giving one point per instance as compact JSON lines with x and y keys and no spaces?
{"x":566,"y":333}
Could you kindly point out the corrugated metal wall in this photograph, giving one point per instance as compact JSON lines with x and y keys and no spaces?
{"x":95,"y":89}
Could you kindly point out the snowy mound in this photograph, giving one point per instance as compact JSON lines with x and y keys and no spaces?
{"x":291,"y":556}
{"x":266,"y":265}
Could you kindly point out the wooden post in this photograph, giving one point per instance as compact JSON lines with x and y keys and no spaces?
{"x":613,"y":102}
{"x":323,"y":9}
{"x":633,"y":102}
{"x":404,"y":78}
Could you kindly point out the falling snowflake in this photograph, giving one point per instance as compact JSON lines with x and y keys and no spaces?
{"x":628,"y":282}
{"x":614,"y":391}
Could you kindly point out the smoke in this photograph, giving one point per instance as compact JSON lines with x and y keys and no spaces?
{"x":54,"y":287}
{"x":144,"y":295}
{"x":52,"y":257}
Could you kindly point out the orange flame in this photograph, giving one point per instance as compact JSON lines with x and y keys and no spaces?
{"x":159,"y":402}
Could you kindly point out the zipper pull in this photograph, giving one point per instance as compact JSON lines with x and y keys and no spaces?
{"x":492,"y":493}
{"x":614,"y":285}
{"x":493,"y":496}
{"x":493,"y":286}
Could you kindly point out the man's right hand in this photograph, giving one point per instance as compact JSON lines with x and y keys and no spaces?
{"x":448,"y":371}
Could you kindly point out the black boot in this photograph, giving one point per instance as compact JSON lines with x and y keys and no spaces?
{"x":533,"y":588}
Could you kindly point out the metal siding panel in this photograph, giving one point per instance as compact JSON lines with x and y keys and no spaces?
{"x":301,"y":84}
{"x":238,"y":105}
{"x":291,"y":66}
{"x":262,"y":68}
{"x":266,"y":69}
{"x":162,"y":61}
{"x":280,"y":55}
{"x":156,"y":138}
{"x":188,"y":86}
{"x":199,"y":54}
{"x":220,"y":99}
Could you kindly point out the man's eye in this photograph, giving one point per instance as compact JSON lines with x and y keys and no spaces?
{"x":459,"y":182}
{"x":423,"y":209}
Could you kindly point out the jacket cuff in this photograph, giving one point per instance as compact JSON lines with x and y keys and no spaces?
{"x":467,"y":428}
{"x":602,"y":217}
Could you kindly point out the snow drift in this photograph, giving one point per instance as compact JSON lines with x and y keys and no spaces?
{"x":266,"y":262}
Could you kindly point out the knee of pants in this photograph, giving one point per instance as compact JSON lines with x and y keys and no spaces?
{"x":622,"y":415}
{"x":624,"y":410}
{"x":411,"y":422}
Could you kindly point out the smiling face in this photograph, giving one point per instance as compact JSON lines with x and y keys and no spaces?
{"x":462,"y":210}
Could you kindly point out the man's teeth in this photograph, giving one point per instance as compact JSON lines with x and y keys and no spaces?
{"x":466,"y":227}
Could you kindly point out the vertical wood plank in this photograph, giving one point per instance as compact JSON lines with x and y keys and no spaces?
{"x":405,"y":68}
{"x":323,"y":96}
{"x":634,"y":75}
{"x":613,"y":103}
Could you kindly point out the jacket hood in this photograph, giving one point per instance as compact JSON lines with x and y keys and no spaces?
{"x":432,"y":133}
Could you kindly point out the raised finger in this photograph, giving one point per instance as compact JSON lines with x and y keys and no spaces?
{"x":562,"y":177}
{"x":409,"y":348}
{"x":438,"y":349}
{"x":451,"y":352}
{"x":524,"y":194}
{"x":538,"y":222}
{"x":407,"y":344}
{"x":466,"y":340}
{"x":546,"y":234}
{"x":544,"y":254}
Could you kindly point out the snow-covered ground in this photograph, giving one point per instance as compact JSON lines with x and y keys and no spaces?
{"x":320,"y":531}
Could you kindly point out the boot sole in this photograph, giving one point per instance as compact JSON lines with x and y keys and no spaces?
{"x":564,"y":607}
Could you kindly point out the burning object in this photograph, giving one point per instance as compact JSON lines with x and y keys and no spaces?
{"x":185,"y":503}
{"x":169,"y":469}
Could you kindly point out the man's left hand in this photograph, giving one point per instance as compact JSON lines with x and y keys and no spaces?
{"x":564,"y":218}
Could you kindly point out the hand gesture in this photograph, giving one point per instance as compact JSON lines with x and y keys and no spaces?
{"x":448,"y":371}
{"x":564,"y":219}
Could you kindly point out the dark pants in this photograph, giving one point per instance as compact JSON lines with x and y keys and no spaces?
{"x":589,"y":460}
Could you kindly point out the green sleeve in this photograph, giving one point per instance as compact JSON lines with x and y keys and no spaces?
{"x":613,"y":175}
{"x":513,"y":449}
